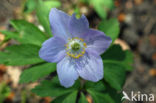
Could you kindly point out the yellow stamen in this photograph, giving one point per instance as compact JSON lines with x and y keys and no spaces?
{"x":68,"y":49}
{"x":81,"y":39}
{"x":83,"y":52}
{"x":85,"y":45}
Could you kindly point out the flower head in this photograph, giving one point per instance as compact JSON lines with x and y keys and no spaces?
{"x":75,"y":48}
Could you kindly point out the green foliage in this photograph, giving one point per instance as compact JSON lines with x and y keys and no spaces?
{"x":4,"y":91}
{"x":42,"y":11}
{"x":11,"y":35}
{"x":102,"y":7}
{"x":82,"y":98}
{"x":53,"y":88}
{"x":128,"y":61}
{"x":110,"y":28}
{"x":99,"y":86}
{"x":29,"y":6}
{"x":28,"y":33}
{"x":68,"y":98}
{"x":116,"y":62}
{"x":71,"y":98}
{"x":36,"y":72}
{"x":114,"y":74}
{"x":116,"y":55}
{"x":101,"y":97}
{"x":20,"y":55}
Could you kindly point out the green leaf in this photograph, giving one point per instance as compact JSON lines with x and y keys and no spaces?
{"x":68,"y":98}
{"x":42,"y":11}
{"x":100,"y":97}
{"x":110,"y":28}
{"x":98,"y":86}
{"x":115,"y":54}
{"x":4,"y":91}
{"x":128,"y":61}
{"x":3,"y":57}
{"x":114,"y":74}
{"x":10,"y":34}
{"x":52,"y":4}
{"x":20,"y":55}
{"x":71,"y":98}
{"x":60,"y":99}
{"x":82,"y":98}
{"x":51,"y":88}
{"x":116,"y":62}
{"x":29,"y":6}
{"x":102,"y":7}
{"x":36,"y":72}
{"x":28,"y":32}
{"x":115,"y":95}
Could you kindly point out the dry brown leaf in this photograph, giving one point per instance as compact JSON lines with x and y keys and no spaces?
{"x":154,"y":56}
{"x":152,"y":72}
{"x":138,"y":2}
{"x":89,"y":99}
{"x":121,"y":17}
{"x":14,"y":73}
{"x":122,"y":43}
{"x":129,"y":4}
{"x":11,"y":96}
{"x":3,"y":68}
{"x":47,"y":99}
{"x":152,"y":39}
{"x":1,"y":37}
{"x":117,"y":3}
{"x":2,"y":71}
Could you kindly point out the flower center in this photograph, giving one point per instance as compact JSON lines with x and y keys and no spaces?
{"x":75,"y":47}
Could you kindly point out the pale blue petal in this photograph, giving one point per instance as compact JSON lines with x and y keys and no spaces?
{"x":53,"y":49}
{"x":66,"y":72}
{"x":90,"y":67}
{"x":59,"y":22}
{"x":97,"y":41}
{"x":78,"y":27}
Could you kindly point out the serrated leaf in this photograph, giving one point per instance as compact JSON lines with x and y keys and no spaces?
{"x":52,"y":88}
{"x":110,"y":28}
{"x":100,"y":97}
{"x":36,"y":72}
{"x":82,"y":98}
{"x":114,"y":74}
{"x":28,"y":32}
{"x":42,"y":11}
{"x":10,"y":35}
{"x":20,"y":55}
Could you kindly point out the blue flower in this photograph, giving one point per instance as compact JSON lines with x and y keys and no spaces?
{"x":75,"y":48}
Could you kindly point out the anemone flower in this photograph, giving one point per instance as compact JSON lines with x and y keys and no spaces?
{"x":75,"y":48}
